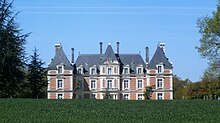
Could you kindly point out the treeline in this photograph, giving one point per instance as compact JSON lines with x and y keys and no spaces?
{"x":20,"y":76}
{"x":207,"y":88}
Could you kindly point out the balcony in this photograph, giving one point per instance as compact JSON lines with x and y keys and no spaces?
{"x":109,"y":89}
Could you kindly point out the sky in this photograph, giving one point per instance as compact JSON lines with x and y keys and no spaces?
{"x":136,"y":24}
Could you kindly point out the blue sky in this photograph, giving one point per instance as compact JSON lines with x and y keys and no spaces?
{"x":135,"y":24}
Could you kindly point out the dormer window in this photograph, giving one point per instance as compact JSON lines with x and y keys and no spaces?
{"x":159,"y":68}
{"x":79,"y":71}
{"x":92,"y":71}
{"x":139,"y":70}
{"x":126,"y":70}
{"x":60,"y":69}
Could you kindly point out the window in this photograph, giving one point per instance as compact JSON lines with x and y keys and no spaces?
{"x":125,"y":84}
{"x":139,"y":71}
{"x":109,"y":84}
{"x":93,"y":84}
{"x":80,"y":71}
{"x":140,"y":96}
{"x":159,"y":69}
{"x":59,"y":96}
{"x":93,"y":96}
{"x":139,"y":85}
{"x":126,"y":96}
{"x":93,"y":71}
{"x":60,"y":69}
{"x":59,"y":84}
{"x":109,"y":70}
{"x":126,"y":70}
{"x":159,"y":96}
{"x":159,"y":83}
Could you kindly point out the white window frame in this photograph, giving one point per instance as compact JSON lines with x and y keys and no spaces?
{"x":141,"y":84}
{"x":128,"y":70}
{"x":162,"y":97}
{"x":109,"y":70}
{"x":160,"y":68}
{"x":62,"y":95}
{"x":81,"y":70}
{"x":62,"y":69}
{"x":91,"y":84}
{"x":123,"y":87}
{"x":128,"y":96}
{"x":110,"y":84}
{"x":162,"y":82}
{"x":93,"y":72}
{"x":139,"y":94}
{"x":57,"y":83}
{"x":141,"y":72}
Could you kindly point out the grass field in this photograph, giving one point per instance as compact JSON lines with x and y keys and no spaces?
{"x":93,"y":111}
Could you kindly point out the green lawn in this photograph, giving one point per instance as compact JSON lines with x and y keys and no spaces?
{"x":93,"y":111}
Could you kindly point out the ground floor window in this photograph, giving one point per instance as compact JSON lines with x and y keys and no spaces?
{"x":126,"y":97}
{"x":159,"y":96}
{"x":140,"y":96}
{"x":59,"y":96}
{"x":93,"y":96}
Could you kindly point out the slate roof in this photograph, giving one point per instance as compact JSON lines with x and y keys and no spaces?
{"x":158,"y":57}
{"x":89,"y":60}
{"x":60,"y":57}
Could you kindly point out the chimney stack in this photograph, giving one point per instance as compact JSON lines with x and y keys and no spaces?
{"x":147,"y":55}
{"x":100,"y":48}
{"x":72,"y":55}
{"x":117,"y":47}
{"x":57,"y":47}
{"x":162,"y":46}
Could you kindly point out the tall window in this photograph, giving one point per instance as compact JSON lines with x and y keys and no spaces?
{"x":93,"y":84}
{"x":139,"y":71}
{"x":159,"y":83}
{"x":59,"y":96}
{"x":109,"y":70}
{"x":139,"y":84}
{"x":60,"y":69}
{"x":126,"y":70}
{"x":109,"y":84}
{"x":159,"y":96}
{"x":125,"y":84}
{"x":60,"y":84}
{"x":126,"y":96}
{"x":159,"y":69}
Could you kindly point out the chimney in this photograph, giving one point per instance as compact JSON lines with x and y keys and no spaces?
{"x":57,"y":47}
{"x":162,"y":46}
{"x":72,"y":55}
{"x":147,"y":55}
{"x":117,"y":47}
{"x":100,"y":48}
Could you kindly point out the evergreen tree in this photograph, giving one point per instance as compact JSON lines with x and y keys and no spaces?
{"x":36,"y":78}
{"x":12,"y":54}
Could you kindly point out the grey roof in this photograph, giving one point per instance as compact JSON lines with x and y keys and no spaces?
{"x":60,"y":58}
{"x":133,"y":60}
{"x":159,"y":56}
{"x":109,"y":53}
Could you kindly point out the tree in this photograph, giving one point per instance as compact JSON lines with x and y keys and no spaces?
{"x":148,"y":92}
{"x":36,"y":78}
{"x":12,"y":54}
{"x":209,"y":28}
{"x":180,"y":87}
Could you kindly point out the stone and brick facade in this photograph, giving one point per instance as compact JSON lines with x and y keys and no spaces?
{"x":121,"y":76}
